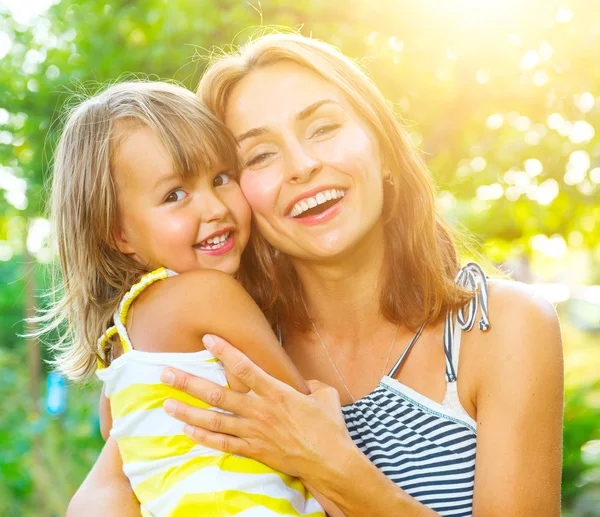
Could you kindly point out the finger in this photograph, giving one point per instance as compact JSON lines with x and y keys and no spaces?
{"x":209,"y":392}
{"x":205,"y":418}
{"x":218,"y":441}
{"x":239,"y":365}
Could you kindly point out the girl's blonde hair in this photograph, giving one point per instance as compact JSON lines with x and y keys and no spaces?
{"x":421,"y":258}
{"x":94,"y":274}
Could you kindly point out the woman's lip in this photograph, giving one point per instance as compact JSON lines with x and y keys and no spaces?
{"x":311,"y":193}
{"x":323,"y":217}
{"x":226,"y":248}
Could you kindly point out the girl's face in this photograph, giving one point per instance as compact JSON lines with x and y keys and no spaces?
{"x":312,"y":170}
{"x":202,"y":222}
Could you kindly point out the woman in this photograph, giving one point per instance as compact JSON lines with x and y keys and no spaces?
{"x":361,"y":283}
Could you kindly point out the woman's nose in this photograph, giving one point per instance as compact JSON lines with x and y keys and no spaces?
{"x":302,"y":164}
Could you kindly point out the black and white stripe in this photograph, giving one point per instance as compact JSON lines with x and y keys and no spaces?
{"x":426,"y":448}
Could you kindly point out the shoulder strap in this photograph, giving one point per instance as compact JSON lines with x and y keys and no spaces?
{"x":120,"y":317}
{"x":404,"y":355}
{"x":101,"y":346}
{"x":471,"y":277}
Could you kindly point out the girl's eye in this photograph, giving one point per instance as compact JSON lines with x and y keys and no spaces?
{"x":258,"y":159}
{"x":221,"y":179}
{"x":176,"y":195}
{"x":323,"y":130}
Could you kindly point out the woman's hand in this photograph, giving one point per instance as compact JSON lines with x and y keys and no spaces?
{"x":301,"y":435}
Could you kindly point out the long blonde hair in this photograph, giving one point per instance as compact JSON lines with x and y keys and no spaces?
{"x":421,"y":258}
{"x":94,"y":274}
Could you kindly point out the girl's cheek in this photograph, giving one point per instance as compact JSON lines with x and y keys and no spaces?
{"x":242,"y":209}
{"x":261,"y":190}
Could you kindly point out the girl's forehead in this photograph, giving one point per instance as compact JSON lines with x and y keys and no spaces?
{"x":143,"y":153}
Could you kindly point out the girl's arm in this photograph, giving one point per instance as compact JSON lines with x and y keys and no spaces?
{"x":106,"y":491}
{"x":518,"y":391}
{"x":173,"y":316}
{"x":177,"y":313}
{"x":105,"y":415}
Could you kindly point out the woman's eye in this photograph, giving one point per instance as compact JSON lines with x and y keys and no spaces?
{"x":221,"y":179}
{"x":176,"y":195}
{"x":258,"y":159}
{"x":323,"y":130}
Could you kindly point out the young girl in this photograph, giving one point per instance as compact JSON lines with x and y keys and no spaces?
{"x":145,"y":188}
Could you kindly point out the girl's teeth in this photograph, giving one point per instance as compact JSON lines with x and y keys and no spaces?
{"x":318,"y":199}
{"x":215,"y":242}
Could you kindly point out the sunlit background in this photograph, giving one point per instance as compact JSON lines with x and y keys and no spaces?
{"x":503,"y":97}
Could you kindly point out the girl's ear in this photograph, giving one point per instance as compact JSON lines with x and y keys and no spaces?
{"x":122,"y":243}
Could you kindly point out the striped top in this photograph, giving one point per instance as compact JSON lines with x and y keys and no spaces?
{"x":171,"y":475}
{"x":426,"y":448}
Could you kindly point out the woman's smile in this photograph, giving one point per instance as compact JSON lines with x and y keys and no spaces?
{"x":312,"y":168}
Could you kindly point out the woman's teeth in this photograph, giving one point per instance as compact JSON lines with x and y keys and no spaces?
{"x":310,"y":202}
{"x":214,"y":243}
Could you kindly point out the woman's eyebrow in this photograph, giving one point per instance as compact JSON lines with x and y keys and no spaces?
{"x":308,"y":111}
{"x":305,"y":113}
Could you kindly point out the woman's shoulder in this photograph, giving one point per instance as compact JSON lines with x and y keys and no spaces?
{"x":524,"y":335}
{"x":514,"y":303}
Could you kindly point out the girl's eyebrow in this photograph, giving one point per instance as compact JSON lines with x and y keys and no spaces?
{"x":167,"y":178}
{"x":306,"y":112}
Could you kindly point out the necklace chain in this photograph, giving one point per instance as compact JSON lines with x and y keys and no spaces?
{"x":352,"y":397}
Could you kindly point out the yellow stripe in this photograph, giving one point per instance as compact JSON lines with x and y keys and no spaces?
{"x":151,"y":448}
{"x":146,"y":513}
{"x":161,"y":483}
{"x":232,"y":502}
{"x":137,"y":397}
{"x":198,"y":505}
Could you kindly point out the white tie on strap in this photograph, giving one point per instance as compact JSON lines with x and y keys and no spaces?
{"x":470,"y":277}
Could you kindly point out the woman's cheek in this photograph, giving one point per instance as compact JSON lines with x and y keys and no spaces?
{"x":261,"y":190}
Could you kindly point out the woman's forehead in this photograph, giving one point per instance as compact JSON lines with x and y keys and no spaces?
{"x":273,"y":94}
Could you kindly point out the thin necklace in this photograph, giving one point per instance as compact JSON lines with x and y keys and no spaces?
{"x":352,"y":397}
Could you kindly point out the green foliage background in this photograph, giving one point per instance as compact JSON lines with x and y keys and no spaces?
{"x":447,"y":65}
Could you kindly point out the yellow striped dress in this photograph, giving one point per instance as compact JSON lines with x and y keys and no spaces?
{"x":171,"y":475}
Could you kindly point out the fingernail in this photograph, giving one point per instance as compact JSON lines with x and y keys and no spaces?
{"x":170,"y":406}
{"x":167,"y":376}
{"x":208,"y":341}
{"x":188,"y":430}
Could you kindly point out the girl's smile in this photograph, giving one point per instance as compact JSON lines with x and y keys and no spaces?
{"x":181,"y":222}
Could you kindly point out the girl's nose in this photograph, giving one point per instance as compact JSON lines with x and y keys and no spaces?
{"x":212,"y":207}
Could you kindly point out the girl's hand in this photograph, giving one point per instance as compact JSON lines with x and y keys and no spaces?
{"x":301,"y":435}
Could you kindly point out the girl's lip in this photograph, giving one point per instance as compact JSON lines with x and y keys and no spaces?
{"x":323,"y":217}
{"x":226,"y":248}
{"x":218,"y":232}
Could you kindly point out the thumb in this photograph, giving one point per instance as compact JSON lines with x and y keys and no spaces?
{"x":314,"y":385}
{"x":323,"y":391}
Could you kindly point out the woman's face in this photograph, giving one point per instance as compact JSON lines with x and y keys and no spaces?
{"x":312,"y":170}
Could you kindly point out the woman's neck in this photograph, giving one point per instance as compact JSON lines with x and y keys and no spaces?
{"x":343,"y":296}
